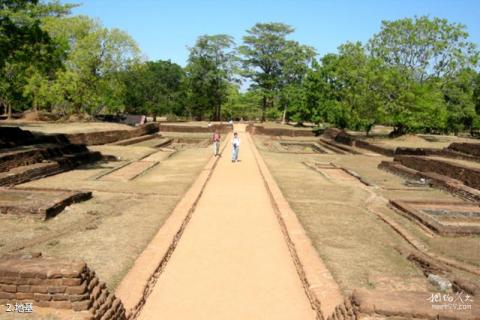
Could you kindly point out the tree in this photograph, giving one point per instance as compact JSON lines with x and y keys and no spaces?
{"x":322,"y":93}
{"x":90,"y":81}
{"x":210,"y":68}
{"x":459,"y":96}
{"x":424,"y":48}
{"x":295,"y":62}
{"x":155,"y":87}
{"x":263,"y":55}
{"x":344,"y":89}
{"x":25,"y":47}
{"x":421,"y":56}
{"x":241,"y":105}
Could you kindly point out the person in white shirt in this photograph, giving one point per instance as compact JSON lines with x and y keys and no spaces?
{"x":235,"y":147}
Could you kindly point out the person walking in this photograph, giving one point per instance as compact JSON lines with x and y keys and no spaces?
{"x":235,"y":147}
{"x":216,"y":143}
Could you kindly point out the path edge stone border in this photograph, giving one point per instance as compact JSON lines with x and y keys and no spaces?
{"x":320,"y":286}
{"x":137,"y":285}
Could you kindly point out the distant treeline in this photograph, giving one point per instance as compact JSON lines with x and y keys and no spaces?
{"x":415,"y":74}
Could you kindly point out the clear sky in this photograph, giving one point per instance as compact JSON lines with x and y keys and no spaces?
{"x":163,"y":29}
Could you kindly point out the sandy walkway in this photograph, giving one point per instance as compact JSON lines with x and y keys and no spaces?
{"x":232,"y":261}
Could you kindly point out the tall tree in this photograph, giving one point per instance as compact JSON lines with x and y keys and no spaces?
{"x":459,"y":96}
{"x":155,"y":87}
{"x":90,"y":81}
{"x":25,"y":46}
{"x":296,"y":60}
{"x":210,"y":69}
{"x":421,"y":56}
{"x":263,"y":56}
{"x":424,"y":47}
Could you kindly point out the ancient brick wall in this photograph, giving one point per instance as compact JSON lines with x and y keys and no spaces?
{"x":434,"y":179}
{"x":375,"y":148}
{"x":331,"y":133}
{"x":282,"y":132}
{"x":345,"y":138}
{"x":446,"y":153}
{"x":468,"y":148}
{"x":376,"y":304}
{"x":346,"y":311}
{"x":59,"y":284}
{"x":103,"y":137}
{"x":14,"y":136}
{"x":469,"y":176}
{"x":342,"y":137}
{"x":13,"y":158}
{"x":222,"y":128}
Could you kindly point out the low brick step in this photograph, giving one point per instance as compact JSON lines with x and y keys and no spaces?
{"x":344,"y":148}
{"x":130,"y":171}
{"x":330,"y":146}
{"x":29,"y":172}
{"x":57,"y":283}
{"x":71,"y":161}
{"x":454,"y":154}
{"x":472,"y":149}
{"x":156,"y":143}
{"x":20,"y":156}
{"x":135,"y":140}
{"x":41,"y":203}
{"x":14,"y":136}
{"x":26,"y":155}
{"x":22,"y":174}
{"x":376,"y":304}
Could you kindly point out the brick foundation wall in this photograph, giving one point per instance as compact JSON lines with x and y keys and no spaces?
{"x":57,"y":283}
{"x":331,"y":133}
{"x":280,"y":131}
{"x":373,"y":304}
{"x":103,"y":137}
{"x":468,"y":148}
{"x":14,"y":136}
{"x":342,"y":137}
{"x":445,"y":152}
{"x":222,"y":128}
{"x":436,"y":180}
{"x":375,"y":148}
{"x":469,"y":176}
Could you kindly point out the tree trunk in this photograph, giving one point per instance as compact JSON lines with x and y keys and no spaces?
{"x":216,"y":116}
{"x":9,"y":111}
{"x":284,"y":117}
{"x":264,"y":107}
{"x":398,"y":130}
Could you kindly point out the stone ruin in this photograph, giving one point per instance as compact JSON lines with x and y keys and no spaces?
{"x":444,"y":218}
{"x":38,"y":203}
{"x":402,"y":305}
{"x":57,"y":284}
{"x":27,"y":156}
{"x":256,"y":129}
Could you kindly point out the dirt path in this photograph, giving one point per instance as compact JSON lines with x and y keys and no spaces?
{"x":232,"y":261}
